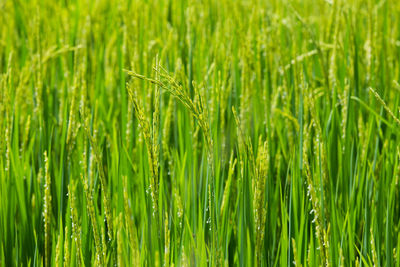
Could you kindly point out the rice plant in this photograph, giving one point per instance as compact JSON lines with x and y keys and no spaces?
{"x":199,"y":133}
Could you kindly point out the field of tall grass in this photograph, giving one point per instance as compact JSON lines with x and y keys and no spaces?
{"x":199,"y":133}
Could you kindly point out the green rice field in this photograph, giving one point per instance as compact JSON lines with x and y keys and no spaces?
{"x":199,"y":133}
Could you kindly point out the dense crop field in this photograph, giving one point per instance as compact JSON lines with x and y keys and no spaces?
{"x":199,"y":133}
